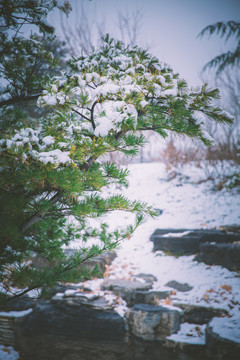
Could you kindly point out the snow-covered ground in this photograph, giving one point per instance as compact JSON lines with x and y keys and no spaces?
{"x":185,"y":203}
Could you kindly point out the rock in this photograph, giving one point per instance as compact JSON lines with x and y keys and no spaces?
{"x":179,"y":286}
{"x":234,"y":228}
{"x":159,"y":211}
{"x":189,"y":342}
{"x":9,"y":324}
{"x":148,"y":297}
{"x":195,"y":314}
{"x":224,"y":254}
{"x":149,"y":278}
{"x":18,"y":304}
{"x":125,"y":288}
{"x":187,"y":241}
{"x":151,"y":322}
{"x":223,"y":338}
{"x":71,"y":330}
{"x":62,"y":288}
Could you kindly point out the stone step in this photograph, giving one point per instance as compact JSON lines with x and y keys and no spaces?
{"x":189,"y":341}
{"x":196,"y":314}
{"x":188,"y":241}
{"x":135,"y":292}
{"x":224,"y":254}
{"x":126,"y":289}
{"x":223,"y":338}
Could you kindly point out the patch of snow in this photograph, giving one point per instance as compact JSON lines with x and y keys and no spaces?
{"x":227,"y":328}
{"x":190,"y":333}
{"x":70,"y":292}
{"x":177,"y":234}
{"x":48,"y":140}
{"x":8,"y":353}
{"x":54,"y":156}
{"x":199,"y":117}
{"x":207,"y":136}
{"x":59,"y":295}
{"x":105,"y":125}
{"x":191,"y":206}
{"x":16,"y":314}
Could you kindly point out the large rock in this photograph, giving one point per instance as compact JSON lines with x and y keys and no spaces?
{"x":68,"y":329}
{"x":182,"y":287}
{"x":196,"y":314}
{"x":151,"y":322}
{"x":224,"y":254}
{"x":189,"y":342}
{"x":188,"y":241}
{"x":223,"y":338}
{"x":125,"y":288}
{"x":150,"y":297}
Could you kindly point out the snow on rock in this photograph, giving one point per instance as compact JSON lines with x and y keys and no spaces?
{"x":8,"y":353}
{"x":177,"y":234}
{"x":226,"y":328}
{"x":190,"y":333}
{"x":16,"y":314}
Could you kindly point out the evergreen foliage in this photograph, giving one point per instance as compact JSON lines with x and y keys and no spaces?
{"x":227,"y":30}
{"x":52,"y":171}
{"x":25,"y":59}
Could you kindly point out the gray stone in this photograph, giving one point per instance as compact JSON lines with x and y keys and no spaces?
{"x":189,"y":243}
{"x":70,"y":330}
{"x":223,"y":338}
{"x":149,"y":278}
{"x":148,"y":297}
{"x":224,"y":254}
{"x":18,"y":304}
{"x":187,"y":348}
{"x":179,"y":286}
{"x":151,"y":322}
{"x":136,"y":292}
{"x":195,"y":314}
{"x":125,"y":288}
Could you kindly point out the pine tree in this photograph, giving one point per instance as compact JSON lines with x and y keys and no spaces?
{"x":53,"y":171}
{"x":227,"y":30}
{"x":26,"y":62}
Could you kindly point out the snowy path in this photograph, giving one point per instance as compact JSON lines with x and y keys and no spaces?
{"x":185,"y":205}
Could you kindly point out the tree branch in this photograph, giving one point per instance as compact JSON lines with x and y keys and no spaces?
{"x":18,"y":99}
{"x":85,"y":117}
{"x":40,"y":215}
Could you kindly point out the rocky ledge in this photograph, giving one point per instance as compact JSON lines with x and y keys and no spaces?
{"x":79,"y":324}
{"x":214,"y":247}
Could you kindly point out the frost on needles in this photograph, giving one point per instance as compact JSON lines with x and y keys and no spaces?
{"x":53,"y":169}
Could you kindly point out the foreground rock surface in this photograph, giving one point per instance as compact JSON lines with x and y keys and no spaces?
{"x":81,"y":325}
{"x":67,"y":328}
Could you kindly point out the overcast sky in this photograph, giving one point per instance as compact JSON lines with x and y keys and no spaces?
{"x":169,"y":28}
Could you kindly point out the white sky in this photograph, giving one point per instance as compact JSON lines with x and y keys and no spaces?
{"x":169,"y":28}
